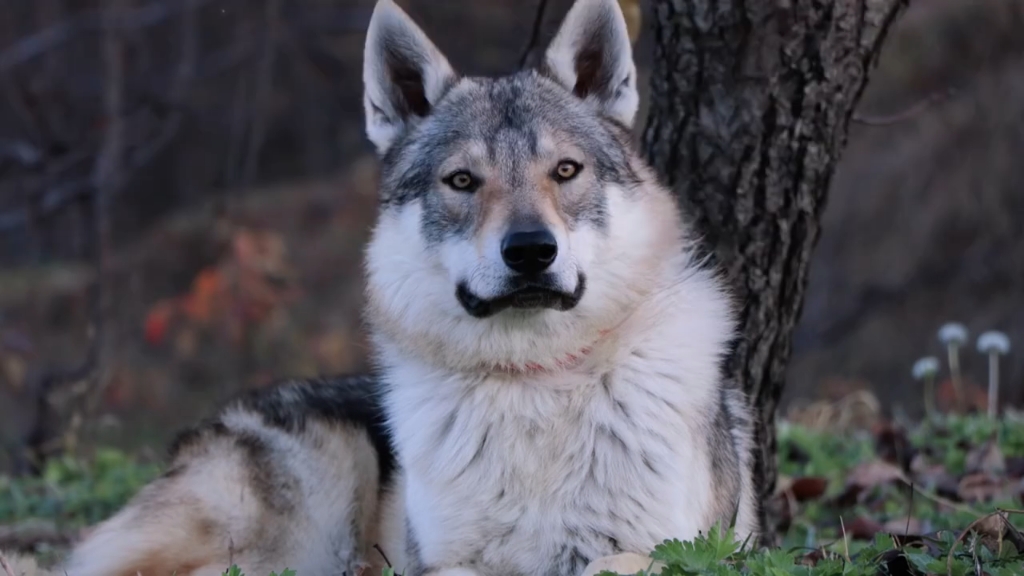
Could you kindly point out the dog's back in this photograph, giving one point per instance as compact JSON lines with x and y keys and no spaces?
{"x":287,"y":477}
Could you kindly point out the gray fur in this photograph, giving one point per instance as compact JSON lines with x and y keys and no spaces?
{"x":505,"y":115}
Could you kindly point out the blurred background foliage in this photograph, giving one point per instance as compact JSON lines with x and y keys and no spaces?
{"x":247,"y":192}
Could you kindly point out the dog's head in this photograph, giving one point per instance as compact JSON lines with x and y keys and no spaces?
{"x":517,"y":221}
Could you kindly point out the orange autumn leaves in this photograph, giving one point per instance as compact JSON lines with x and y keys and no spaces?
{"x":243,"y":290}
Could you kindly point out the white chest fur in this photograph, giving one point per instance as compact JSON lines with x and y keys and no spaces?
{"x":539,"y":475}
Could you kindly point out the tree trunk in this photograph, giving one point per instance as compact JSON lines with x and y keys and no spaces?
{"x":749,"y":107}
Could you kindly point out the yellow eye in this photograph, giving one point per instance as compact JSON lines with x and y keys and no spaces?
{"x":461,"y":180}
{"x":567,"y":170}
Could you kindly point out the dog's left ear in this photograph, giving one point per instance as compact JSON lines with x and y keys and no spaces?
{"x":404,"y":74}
{"x":591,"y":56}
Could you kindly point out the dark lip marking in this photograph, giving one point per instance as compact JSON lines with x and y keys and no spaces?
{"x":523,"y":294}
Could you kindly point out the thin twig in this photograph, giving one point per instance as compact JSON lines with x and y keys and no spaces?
{"x":45,"y":40}
{"x":959,"y":540}
{"x":108,"y":177}
{"x":907,"y":113}
{"x":534,"y":38}
{"x":938,"y":499}
{"x":264,"y":91}
{"x":846,"y":543}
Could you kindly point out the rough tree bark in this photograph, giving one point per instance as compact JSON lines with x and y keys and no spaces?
{"x":749,"y":107}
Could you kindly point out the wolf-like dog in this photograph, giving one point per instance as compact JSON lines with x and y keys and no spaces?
{"x":548,"y":388}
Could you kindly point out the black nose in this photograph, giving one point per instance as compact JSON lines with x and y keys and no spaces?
{"x":529,"y":251}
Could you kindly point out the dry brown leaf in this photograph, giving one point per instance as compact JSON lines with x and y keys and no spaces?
{"x":987,"y":458}
{"x":874,"y":473}
{"x":893,"y":445}
{"x":981,"y":487}
{"x":865,"y":476}
{"x":808,"y":488}
{"x":863,"y":528}
{"x":903,"y":526}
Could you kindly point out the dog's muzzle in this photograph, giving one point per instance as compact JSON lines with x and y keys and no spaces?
{"x":539,"y":293}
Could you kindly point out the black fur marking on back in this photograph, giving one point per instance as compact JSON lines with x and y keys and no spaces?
{"x":289,"y":405}
{"x":273,"y":486}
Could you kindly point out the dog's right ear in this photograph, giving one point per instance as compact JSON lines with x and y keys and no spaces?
{"x":404,"y":74}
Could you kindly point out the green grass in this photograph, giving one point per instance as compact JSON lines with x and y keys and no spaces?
{"x":73,"y":492}
{"x":820,"y":539}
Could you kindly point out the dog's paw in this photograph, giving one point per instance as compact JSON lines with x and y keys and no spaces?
{"x":625,"y":563}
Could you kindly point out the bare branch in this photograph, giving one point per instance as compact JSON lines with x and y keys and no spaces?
{"x":264,"y":90}
{"x":907,"y":113}
{"x":107,"y":178}
{"x":132,"y":19}
{"x":534,"y":38}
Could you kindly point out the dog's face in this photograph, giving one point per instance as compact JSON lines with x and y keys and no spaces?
{"x":504,"y":200}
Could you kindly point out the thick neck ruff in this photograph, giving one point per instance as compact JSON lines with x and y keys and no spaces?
{"x":565,"y":363}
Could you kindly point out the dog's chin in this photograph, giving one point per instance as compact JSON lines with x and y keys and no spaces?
{"x":540,"y":294}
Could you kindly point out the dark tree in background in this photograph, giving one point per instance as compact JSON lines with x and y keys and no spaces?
{"x":749,"y":108}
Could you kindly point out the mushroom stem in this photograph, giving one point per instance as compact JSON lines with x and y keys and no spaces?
{"x":929,"y":398}
{"x":954,"y":370}
{"x":993,"y":384}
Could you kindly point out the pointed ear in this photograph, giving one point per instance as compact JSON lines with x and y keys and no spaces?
{"x":404,"y":74}
{"x":591,"y":56}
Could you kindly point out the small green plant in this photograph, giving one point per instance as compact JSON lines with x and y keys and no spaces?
{"x":75,"y":492}
{"x":234,"y":570}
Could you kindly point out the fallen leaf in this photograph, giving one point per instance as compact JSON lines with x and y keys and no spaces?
{"x":862,"y":528}
{"x":987,"y":458}
{"x":808,"y":488}
{"x":811,"y":558}
{"x":865,"y":476}
{"x":892,"y":445}
{"x":874,"y":473}
{"x":903,"y":526}
{"x":995,"y":529}
{"x":981,"y":487}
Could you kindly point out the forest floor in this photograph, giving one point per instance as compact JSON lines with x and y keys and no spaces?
{"x":942,"y":496}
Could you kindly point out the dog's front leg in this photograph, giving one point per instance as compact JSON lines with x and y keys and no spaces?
{"x":624,"y":563}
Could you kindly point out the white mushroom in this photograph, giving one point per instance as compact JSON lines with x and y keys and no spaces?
{"x":927,"y":367}
{"x":925,"y":370}
{"x":995,"y":344}
{"x":954,"y":335}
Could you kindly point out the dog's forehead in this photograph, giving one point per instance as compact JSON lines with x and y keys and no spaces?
{"x":515,"y":115}
{"x":510,"y":122}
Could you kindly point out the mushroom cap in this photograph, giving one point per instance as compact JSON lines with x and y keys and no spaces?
{"x":993,"y":341}
{"x":925,"y":367}
{"x":953,"y":333}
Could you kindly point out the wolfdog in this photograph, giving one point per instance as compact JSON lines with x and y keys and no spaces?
{"x":548,"y":387}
